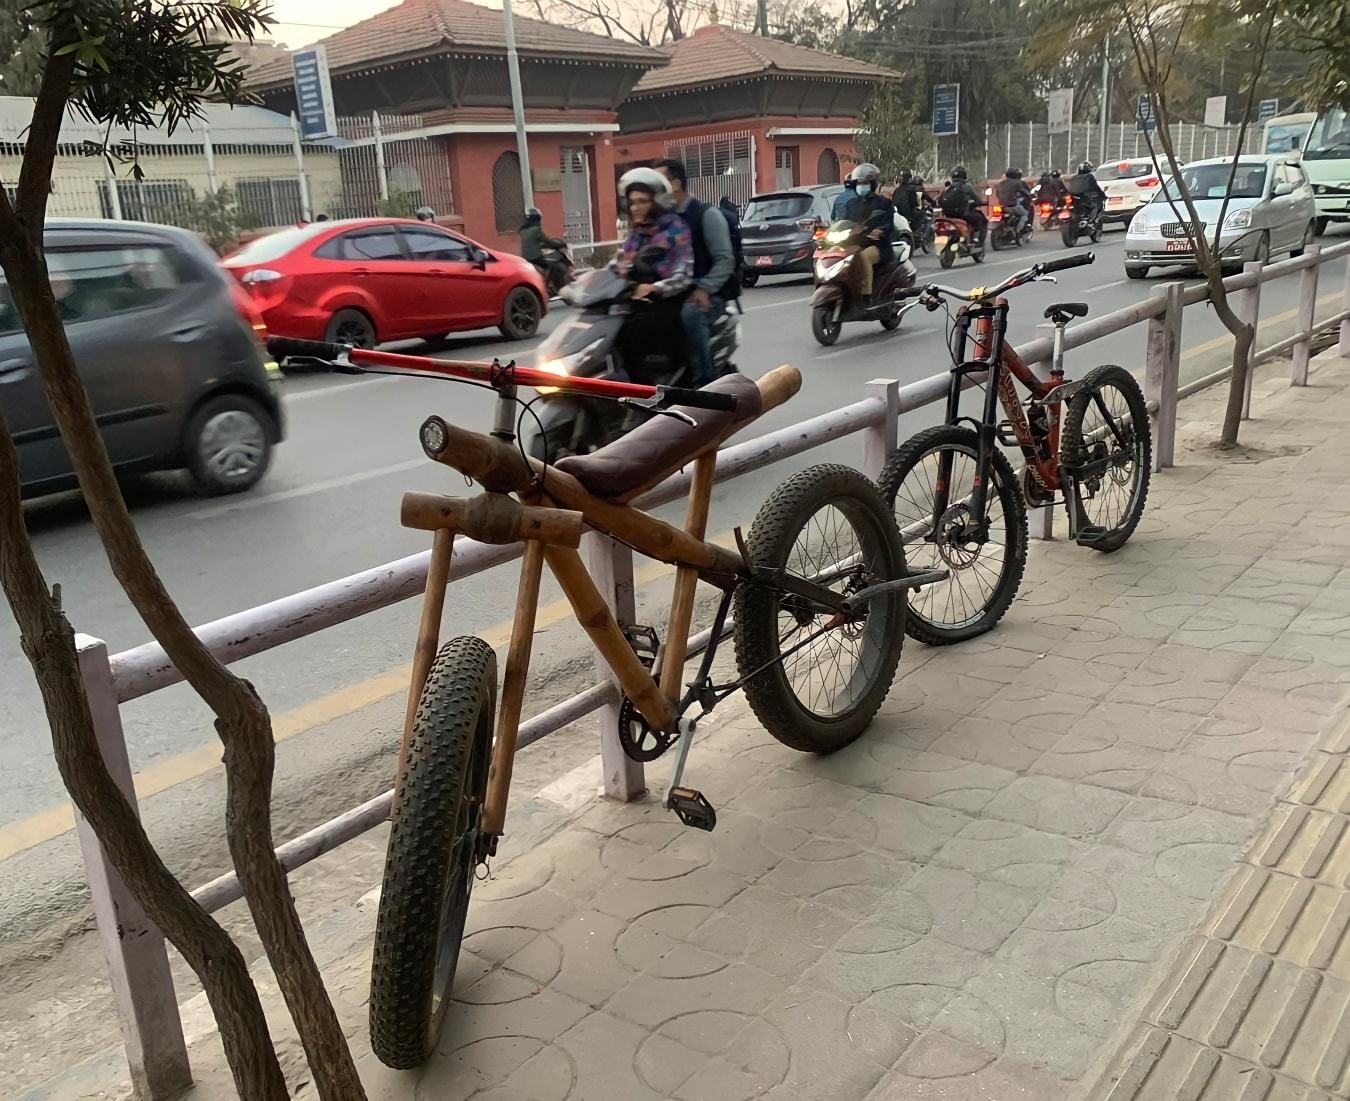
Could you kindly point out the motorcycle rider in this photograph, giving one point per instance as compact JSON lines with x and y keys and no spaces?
{"x":872,"y":210}
{"x":1087,"y":191}
{"x":533,"y":241}
{"x":909,"y":198}
{"x":715,"y":275}
{"x":1051,"y":187}
{"x":1015,"y":197}
{"x":960,"y":201}
{"x":659,"y":255}
{"x":841,"y":201}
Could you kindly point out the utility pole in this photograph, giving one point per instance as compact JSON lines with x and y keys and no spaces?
{"x":762,"y":18}
{"x":1106,"y":96}
{"x":517,"y":105}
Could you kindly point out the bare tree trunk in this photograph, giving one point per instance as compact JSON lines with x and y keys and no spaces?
{"x":242,"y":720}
{"x":49,"y":644}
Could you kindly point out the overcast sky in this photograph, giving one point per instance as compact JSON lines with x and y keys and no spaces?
{"x":300,"y":22}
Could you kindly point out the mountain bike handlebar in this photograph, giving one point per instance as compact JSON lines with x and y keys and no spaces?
{"x":987,"y":294}
{"x":319,"y":356}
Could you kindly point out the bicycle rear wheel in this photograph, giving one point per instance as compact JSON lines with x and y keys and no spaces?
{"x":1108,"y":448}
{"x":984,"y":574}
{"x":433,"y":843}
{"x":828,"y":525}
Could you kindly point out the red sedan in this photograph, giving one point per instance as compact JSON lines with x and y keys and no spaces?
{"x":364,"y":281}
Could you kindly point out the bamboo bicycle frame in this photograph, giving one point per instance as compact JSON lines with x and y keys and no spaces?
{"x":549,"y":516}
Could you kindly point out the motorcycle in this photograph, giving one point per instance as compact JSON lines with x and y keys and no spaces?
{"x":585,"y":345}
{"x":1077,"y":218}
{"x":838,"y":297}
{"x":1005,"y":232}
{"x":556,"y":266}
{"x":1046,"y":208}
{"x":953,"y":237}
{"x":923,"y":231}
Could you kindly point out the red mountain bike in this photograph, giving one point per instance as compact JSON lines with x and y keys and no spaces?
{"x":954,"y":493}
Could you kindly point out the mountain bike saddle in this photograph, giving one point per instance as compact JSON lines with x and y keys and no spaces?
{"x":1060,"y":312}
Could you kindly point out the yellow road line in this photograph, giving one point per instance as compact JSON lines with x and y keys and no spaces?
{"x":158,"y":778}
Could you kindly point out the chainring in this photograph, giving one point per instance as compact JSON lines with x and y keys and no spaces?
{"x":639,"y":741}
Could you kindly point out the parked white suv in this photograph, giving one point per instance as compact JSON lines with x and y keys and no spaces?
{"x":1128,"y":185}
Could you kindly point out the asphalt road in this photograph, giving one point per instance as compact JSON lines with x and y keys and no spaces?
{"x":329,"y":507}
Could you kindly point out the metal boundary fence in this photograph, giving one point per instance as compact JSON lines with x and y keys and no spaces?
{"x":136,"y":955}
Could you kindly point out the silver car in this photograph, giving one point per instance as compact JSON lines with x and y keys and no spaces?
{"x":1270,"y":211}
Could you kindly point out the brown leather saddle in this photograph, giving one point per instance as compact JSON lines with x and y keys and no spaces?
{"x":655,"y":450}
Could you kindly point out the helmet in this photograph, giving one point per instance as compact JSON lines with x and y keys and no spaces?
{"x":959,"y":172}
{"x":866,"y":173}
{"x":917,"y":181}
{"x":534,"y":212}
{"x":1012,"y":173}
{"x":1085,"y":167}
{"x":1055,"y":172}
{"x":906,"y":176}
{"x":425,"y":214}
{"x":644,"y":179}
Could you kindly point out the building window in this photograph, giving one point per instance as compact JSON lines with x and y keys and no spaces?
{"x":508,"y":199}
{"x":827,"y":167}
{"x":167,"y":202}
{"x":264,"y":201}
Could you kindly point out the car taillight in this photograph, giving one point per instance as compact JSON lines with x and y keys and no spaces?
{"x":1046,"y":208}
{"x":1148,"y":181}
{"x":248,"y":310}
{"x":819,"y":233}
{"x":259,"y":275}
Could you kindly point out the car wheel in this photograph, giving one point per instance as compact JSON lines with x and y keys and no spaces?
{"x":1262,"y":254}
{"x":749,"y":278}
{"x":1136,"y":273}
{"x":520,"y":314}
{"x":228,"y":444}
{"x":1308,"y":235}
{"x":1320,"y":226}
{"x":350,"y":327}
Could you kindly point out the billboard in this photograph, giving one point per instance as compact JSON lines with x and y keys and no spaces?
{"x":946,"y":109}
{"x":313,"y":93}
{"x":1216,"y":111}
{"x":1060,"y":109}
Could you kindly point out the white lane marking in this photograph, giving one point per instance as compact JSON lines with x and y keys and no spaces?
{"x":305,"y":491}
{"x":323,"y":391}
{"x":873,"y":344}
{"x":1105,"y":286}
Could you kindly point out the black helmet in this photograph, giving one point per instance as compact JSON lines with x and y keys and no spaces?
{"x":959,"y":172}
{"x":1011,"y":173}
{"x":1055,"y":172}
{"x":917,"y":181}
{"x":1085,"y":167}
{"x":906,"y":175}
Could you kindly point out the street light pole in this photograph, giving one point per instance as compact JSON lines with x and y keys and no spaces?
{"x":1106,"y":95}
{"x":517,"y":105}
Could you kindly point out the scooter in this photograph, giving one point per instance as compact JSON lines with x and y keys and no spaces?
{"x":585,"y":345}
{"x":556,"y":266}
{"x":953,"y":238}
{"x":839,"y":273}
{"x":1047,"y":208}
{"x":1005,"y":232}
{"x":1079,"y":218}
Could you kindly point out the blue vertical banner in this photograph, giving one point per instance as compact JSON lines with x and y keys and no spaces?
{"x":946,"y":110}
{"x":313,"y":93}
{"x":1144,"y":121}
{"x":1269,"y":109}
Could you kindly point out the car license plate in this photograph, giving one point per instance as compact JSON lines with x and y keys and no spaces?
{"x":1177,"y":246}
{"x":1116,"y":200}
{"x":763,"y":261}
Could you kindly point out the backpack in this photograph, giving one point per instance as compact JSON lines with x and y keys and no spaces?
{"x":953,"y":201}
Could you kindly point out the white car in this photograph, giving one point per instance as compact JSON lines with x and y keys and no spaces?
{"x":1128,"y":185}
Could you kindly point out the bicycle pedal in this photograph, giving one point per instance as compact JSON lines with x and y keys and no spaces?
{"x":645,"y":643}
{"x":1089,"y":534}
{"x":692,"y":808}
{"x":1006,"y":434}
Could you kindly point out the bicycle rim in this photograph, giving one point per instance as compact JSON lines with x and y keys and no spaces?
{"x":1110,"y":499}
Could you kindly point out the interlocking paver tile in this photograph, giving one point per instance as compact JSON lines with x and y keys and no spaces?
{"x":1100,"y":760}
{"x":1057,"y":806}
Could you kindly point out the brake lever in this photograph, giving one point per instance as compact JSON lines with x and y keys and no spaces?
{"x":654,"y":411}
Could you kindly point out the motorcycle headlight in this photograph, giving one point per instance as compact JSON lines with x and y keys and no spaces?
{"x":553,"y":367}
{"x":564,"y":366}
{"x":1239,"y":219}
{"x":838,"y":236}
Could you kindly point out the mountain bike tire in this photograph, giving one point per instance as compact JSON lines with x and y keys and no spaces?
{"x":433,"y":842}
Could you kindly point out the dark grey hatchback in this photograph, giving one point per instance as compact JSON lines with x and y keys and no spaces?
{"x":166,"y":347}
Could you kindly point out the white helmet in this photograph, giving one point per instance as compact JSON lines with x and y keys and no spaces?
{"x":650,"y":181}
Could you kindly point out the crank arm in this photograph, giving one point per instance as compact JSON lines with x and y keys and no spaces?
{"x":914,"y":581}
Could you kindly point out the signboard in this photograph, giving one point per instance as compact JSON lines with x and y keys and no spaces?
{"x":313,"y":93}
{"x":1216,"y":111}
{"x":1060,"y":106}
{"x":1144,"y":121}
{"x":1268,"y":110}
{"x":946,"y":109}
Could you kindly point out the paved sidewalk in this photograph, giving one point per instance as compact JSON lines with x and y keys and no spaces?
{"x":981,"y":897}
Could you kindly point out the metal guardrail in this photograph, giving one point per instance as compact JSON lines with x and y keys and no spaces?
{"x":138,"y":963}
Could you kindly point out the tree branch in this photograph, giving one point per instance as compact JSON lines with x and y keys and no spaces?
{"x":44,"y":136}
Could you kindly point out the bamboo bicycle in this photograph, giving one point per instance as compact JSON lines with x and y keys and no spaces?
{"x":954,"y":493}
{"x":819,"y":588}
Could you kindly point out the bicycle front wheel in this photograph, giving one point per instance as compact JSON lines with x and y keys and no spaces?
{"x":1108,"y":448}
{"x":984,"y":556}
{"x":433,"y":842}
{"x":815,"y":678}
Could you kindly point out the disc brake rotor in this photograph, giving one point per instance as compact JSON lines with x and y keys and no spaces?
{"x":953,"y":546}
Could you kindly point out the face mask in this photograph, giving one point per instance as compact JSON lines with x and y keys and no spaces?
{"x":864,"y":189}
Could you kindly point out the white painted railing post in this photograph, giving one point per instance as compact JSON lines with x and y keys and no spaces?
{"x":1307,"y":317}
{"x":1251,"y":314}
{"x":611,"y":564}
{"x":1344,"y":337}
{"x":138,"y":965}
{"x":881,"y":440}
{"x":1161,"y":372}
